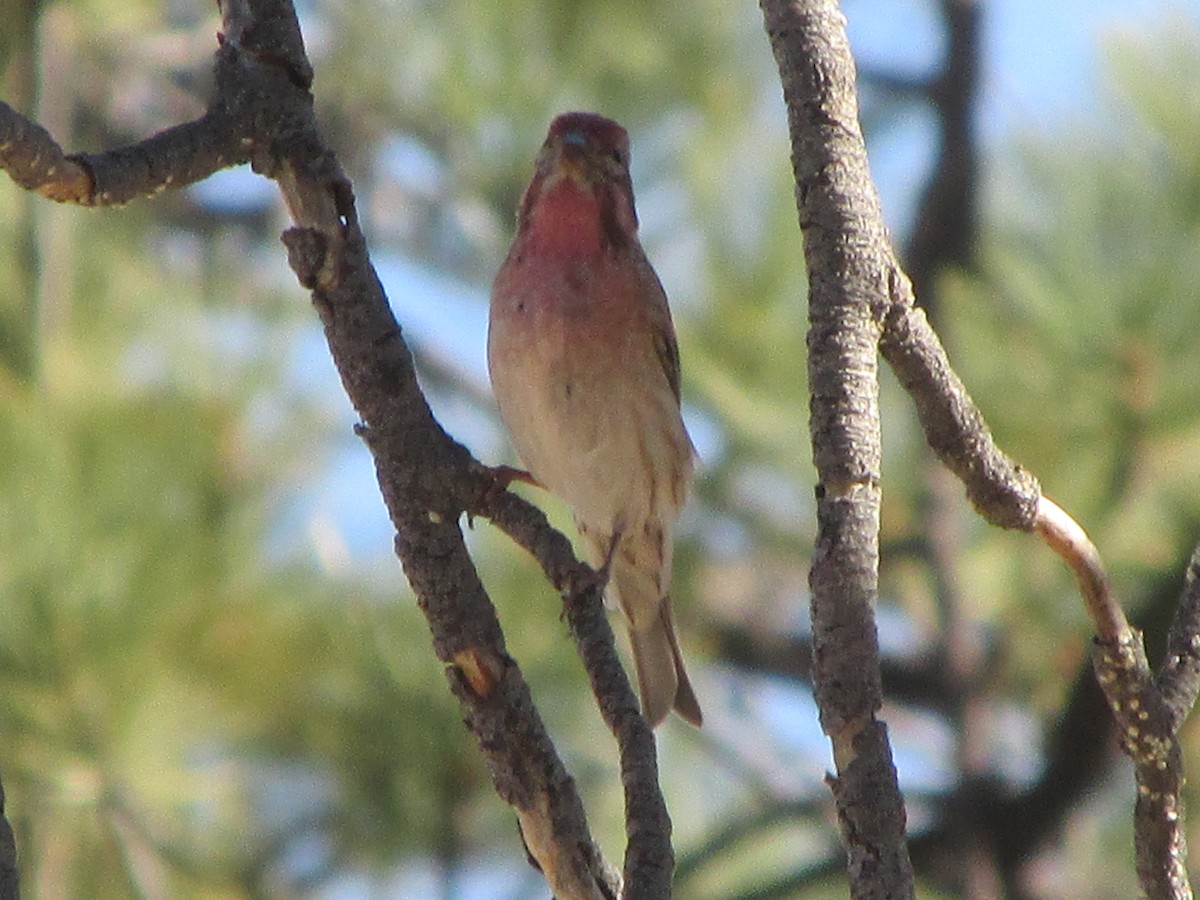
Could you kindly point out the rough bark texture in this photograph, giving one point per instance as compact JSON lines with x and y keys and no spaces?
{"x":845,"y":249}
{"x":1150,"y":709}
{"x":860,"y":300}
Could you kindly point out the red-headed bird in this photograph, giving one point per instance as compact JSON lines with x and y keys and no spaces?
{"x":585,"y":368}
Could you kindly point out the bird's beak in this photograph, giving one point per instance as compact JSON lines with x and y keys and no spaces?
{"x":570,"y":160}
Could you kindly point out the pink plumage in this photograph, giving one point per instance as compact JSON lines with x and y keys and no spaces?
{"x":585,"y":369}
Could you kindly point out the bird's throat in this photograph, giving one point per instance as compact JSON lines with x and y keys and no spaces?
{"x":567,"y":220}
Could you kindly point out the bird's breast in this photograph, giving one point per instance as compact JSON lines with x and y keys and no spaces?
{"x":584,"y":401}
{"x":566,"y":223}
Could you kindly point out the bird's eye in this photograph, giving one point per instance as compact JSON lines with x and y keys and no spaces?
{"x":618,"y":156}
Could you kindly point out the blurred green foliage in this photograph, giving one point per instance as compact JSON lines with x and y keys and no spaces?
{"x":202,"y":697}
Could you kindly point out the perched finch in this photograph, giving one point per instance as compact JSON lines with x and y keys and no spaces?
{"x":585,"y":369}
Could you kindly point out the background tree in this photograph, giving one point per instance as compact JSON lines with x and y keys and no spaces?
{"x":121,"y":371}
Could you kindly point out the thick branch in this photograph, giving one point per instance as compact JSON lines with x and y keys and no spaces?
{"x":851,"y":267}
{"x":848,"y":264}
{"x":420,"y":470}
{"x":263,"y":113}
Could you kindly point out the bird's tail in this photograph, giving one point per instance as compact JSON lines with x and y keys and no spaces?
{"x":638,"y":578}
{"x":662,"y":679}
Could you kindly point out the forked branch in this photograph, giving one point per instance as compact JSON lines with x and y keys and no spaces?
{"x":263,"y":114}
{"x":857,"y":289}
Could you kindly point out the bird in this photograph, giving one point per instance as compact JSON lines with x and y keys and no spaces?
{"x":584,"y":366}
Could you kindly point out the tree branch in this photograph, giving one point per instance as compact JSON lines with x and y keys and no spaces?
{"x":848,"y":262}
{"x":853,"y":275}
{"x":424,"y":477}
{"x":1149,"y":711}
{"x":649,"y":860}
{"x":1148,"y":721}
{"x":1000,"y":490}
{"x":9,"y":882}
{"x":172,"y":158}
{"x":1008,"y":496}
{"x":262,"y":113}
{"x":1068,"y":540}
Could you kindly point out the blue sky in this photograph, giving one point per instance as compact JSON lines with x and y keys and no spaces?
{"x":1043,"y":71}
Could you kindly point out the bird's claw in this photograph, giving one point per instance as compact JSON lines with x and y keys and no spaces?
{"x":503,"y":476}
{"x":598,"y":577}
{"x":605,"y":570}
{"x":496,"y":482}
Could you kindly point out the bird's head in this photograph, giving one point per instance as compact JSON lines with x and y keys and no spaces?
{"x":581,"y":179}
{"x":587,"y":148}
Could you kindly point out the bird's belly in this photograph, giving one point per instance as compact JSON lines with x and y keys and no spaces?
{"x":592,"y":437}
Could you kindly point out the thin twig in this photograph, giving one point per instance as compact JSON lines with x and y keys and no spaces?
{"x":173,"y":158}
{"x":649,"y":859}
{"x":1066,"y":538}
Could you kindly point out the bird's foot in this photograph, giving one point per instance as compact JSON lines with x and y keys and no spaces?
{"x":598,"y":578}
{"x":503,"y":476}
{"x":605,"y":570}
{"x":496,"y":482}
